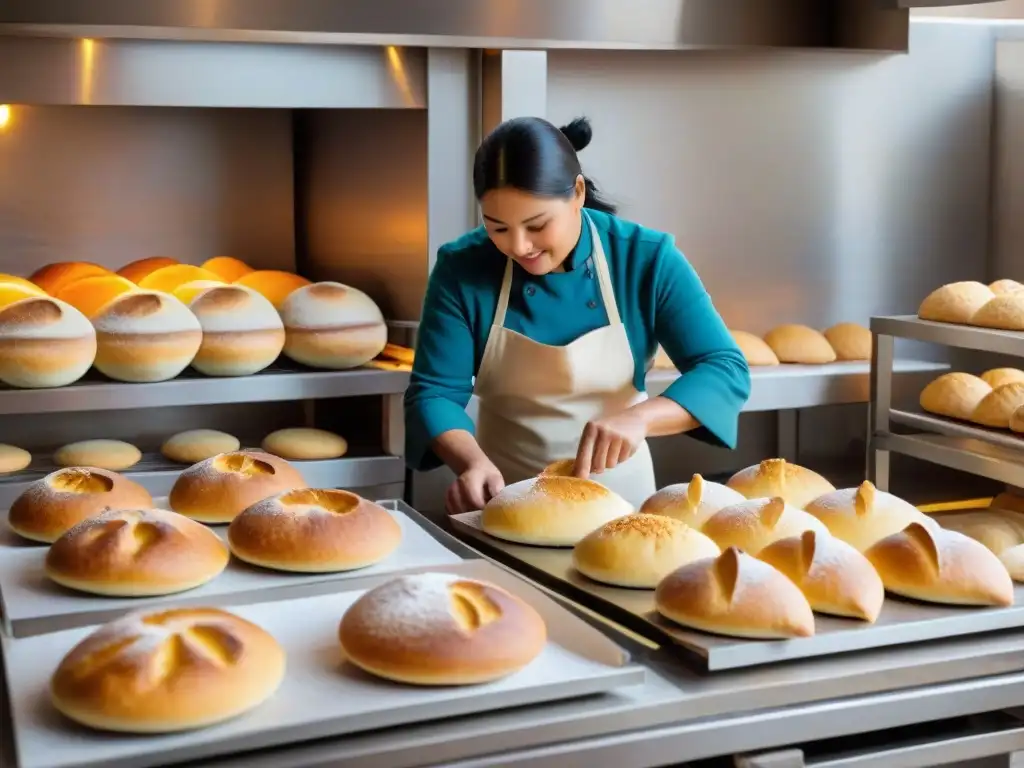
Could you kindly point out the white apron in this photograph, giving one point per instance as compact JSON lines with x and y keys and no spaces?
{"x":535,"y":399}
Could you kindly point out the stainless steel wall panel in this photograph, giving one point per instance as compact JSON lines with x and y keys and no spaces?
{"x":1008,"y":161}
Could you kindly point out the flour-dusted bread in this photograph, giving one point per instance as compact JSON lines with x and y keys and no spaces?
{"x":861,"y":516}
{"x":956,"y":395}
{"x":955,"y":302}
{"x":850,"y":341}
{"x":794,"y":484}
{"x":996,"y":377}
{"x":800,"y":344}
{"x":737,"y":595}
{"x":1005,"y":312}
{"x":936,"y":565}
{"x":753,"y":524}
{"x":693,"y":502}
{"x":333,"y":326}
{"x":755,"y":349}
{"x":998,"y":406}
{"x":44,"y":342}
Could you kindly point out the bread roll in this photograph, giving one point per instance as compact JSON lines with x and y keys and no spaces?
{"x":693,"y":502}
{"x":1009,"y":501}
{"x":932,"y":564}
{"x":1013,"y":560}
{"x":639,"y":550}
{"x":861,"y":516}
{"x":792,"y":483}
{"x":44,"y":343}
{"x":850,"y":341}
{"x":145,"y":337}
{"x":755,"y":350}
{"x":91,"y":294}
{"x":314,"y":531}
{"x":136,"y":553}
{"x":1004,"y":312}
{"x":994,"y":529}
{"x":276,"y":286}
{"x":955,"y":302}
{"x":999,"y":405}
{"x":301,"y":443}
{"x":737,"y":595}
{"x":218,"y":489}
{"x":139,"y":269}
{"x":227,"y":268}
{"x":956,"y":395}
{"x":1000,"y":287}
{"x":53,"y":277}
{"x":13,"y":459}
{"x":114,"y":455}
{"x":551,"y":511}
{"x":835,"y":578}
{"x":166,"y":671}
{"x":12,"y":292}
{"x":753,"y":524}
{"x":441,"y":629}
{"x":54,"y":504}
{"x":800,"y":344}
{"x":560,"y":468}
{"x":196,"y":445}
{"x":242,"y":332}
{"x":996,"y":377}
{"x":21,"y":282}
{"x":333,"y":326}
{"x":167,"y":279}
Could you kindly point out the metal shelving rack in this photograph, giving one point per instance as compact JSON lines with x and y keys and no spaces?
{"x":994,"y":454}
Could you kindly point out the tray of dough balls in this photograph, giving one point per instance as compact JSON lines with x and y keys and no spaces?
{"x":174,"y":684}
{"x":83,"y":545}
{"x":775,"y":565}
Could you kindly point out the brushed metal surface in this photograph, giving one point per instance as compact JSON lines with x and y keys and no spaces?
{"x":1008,"y":159}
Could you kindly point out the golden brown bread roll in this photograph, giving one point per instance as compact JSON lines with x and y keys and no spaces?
{"x":560,"y":468}
{"x":52,"y":505}
{"x":800,"y":344}
{"x":792,"y":483}
{"x":441,"y":629}
{"x":197,"y":445}
{"x":1009,"y":501}
{"x":998,"y":406}
{"x":314,"y":531}
{"x":44,"y":343}
{"x":956,"y":395}
{"x":932,"y":564}
{"x":1000,"y":287}
{"x":302,"y":443}
{"x":850,"y":341}
{"x":115,"y":455}
{"x":138,"y":269}
{"x":693,"y":502}
{"x":955,"y":302}
{"x":136,"y":553}
{"x":218,"y":489}
{"x":861,"y":516}
{"x":166,"y":671}
{"x":13,"y":459}
{"x":755,"y":350}
{"x":737,"y":595}
{"x":1017,"y":420}
{"x":753,"y":524}
{"x":639,"y":550}
{"x":998,"y":530}
{"x":551,"y":511}
{"x":52,"y":277}
{"x":333,"y":326}
{"x":1004,"y":312}
{"x":996,"y":377}
{"x":835,"y":578}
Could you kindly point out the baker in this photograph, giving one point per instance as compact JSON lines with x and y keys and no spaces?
{"x":551,"y":313}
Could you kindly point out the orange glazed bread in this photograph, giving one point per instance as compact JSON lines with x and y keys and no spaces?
{"x":44,"y":343}
{"x":273,"y":284}
{"x":53,"y":277}
{"x":955,"y":302}
{"x":333,"y":326}
{"x":800,"y":344}
{"x":227,"y":268}
{"x":91,"y":294}
{"x":12,"y":292}
{"x":6,"y":279}
{"x":166,"y":279}
{"x":137,"y":270}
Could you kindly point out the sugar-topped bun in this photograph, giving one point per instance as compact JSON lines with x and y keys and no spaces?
{"x":1005,"y":312}
{"x":755,"y":350}
{"x":314,"y":531}
{"x":146,"y":336}
{"x":693,"y":502}
{"x":195,"y":445}
{"x":955,"y":302}
{"x":998,"y":406}
{"x":753,"y":524}
{"x":53,"y":504}
{"x":850,"y":341}
{"x":115,"y":455}
{"x":136,"y":553}
{"x":996,"y":377}
{"x":639,"y":550}
{"x":794,"y":484}
{"x":551,"y":511}
{"x":441,"y":629}
{"x":935,"y":565}
{"x":166,"y":671}
{"x":218,"y":489}
{"x":835,"y":578}
{"x":334,"y":326}
{"x":861,"y":516}
{"x":956,"y":395}
{"x":44,"y":343}
{"x":800,"y":344}
{"x":737,"y":595}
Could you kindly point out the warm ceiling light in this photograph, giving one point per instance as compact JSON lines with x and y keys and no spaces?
{"x":5,"y":115}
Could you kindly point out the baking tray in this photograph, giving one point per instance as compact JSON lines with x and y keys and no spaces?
{"x":31,"y":604}
{"x":900,"y":622}
{"x":321,"y":696}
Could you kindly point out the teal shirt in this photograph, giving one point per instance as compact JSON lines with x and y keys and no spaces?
{"x":660,"y":299}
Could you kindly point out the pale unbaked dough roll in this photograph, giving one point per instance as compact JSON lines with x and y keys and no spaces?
{"x":693,"y":502}
{"x":996,"y":377}
{"x":551,"y":511}
{"x":44,"y":343}
{"x":955,"y":302}
{"x":1004,"y":312}
{"x":938,"y":566}
{"x":998,"y":406}
{"x":850,"y":341}
{"x":113,"y":455}
{"x":861,"y":516}
{"x":737,"y":595}
{"x":441,"y":629}
{"x":136,"y":553}
{"x":333,"y":326}
{"x":13,"y":459}
{"x":314,"y":531}
{"x":955,"y":395}
{"x":638,"y":551}
{"x":146,"y":336}
{"x":1000,"y":287}
{"x":276,"y":286}
{"x":794,"y":484}
{"x":800,"y":344}
{"x":755,"y":350}
{"x":140,"y":268}
{"x":753,"y":524}
{"x":54,"y":504}
{"x":197,"y":445}
{"x":835,"y":578}
{"x":305,"y":444}
{"x":52,"y":277}
{"x":168,"y":670}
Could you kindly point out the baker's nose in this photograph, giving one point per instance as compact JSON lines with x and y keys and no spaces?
{"x":521,"y":245}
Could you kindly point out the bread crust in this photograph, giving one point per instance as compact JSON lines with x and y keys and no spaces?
{"x":796,"y":485}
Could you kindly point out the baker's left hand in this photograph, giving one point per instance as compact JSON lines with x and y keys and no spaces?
{"x":607,"y":442}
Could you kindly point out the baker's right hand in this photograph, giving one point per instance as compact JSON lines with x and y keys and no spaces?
{"x":474,"y":488}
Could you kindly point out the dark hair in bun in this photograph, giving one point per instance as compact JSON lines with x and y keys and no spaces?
{"x":531,"y":154}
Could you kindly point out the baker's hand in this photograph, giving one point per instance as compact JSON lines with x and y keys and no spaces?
{"x":607,"y":442}
{"x":474,"y":488}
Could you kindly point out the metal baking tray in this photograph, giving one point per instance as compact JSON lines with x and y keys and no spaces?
{"x":321,"y":695}
{"x":900,"y":623}
{"x":31,"y":604}
{"x":940,"y":425}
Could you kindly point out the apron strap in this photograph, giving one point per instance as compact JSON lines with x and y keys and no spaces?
{"x":506,"y":289}
{"x":604,"y":278}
